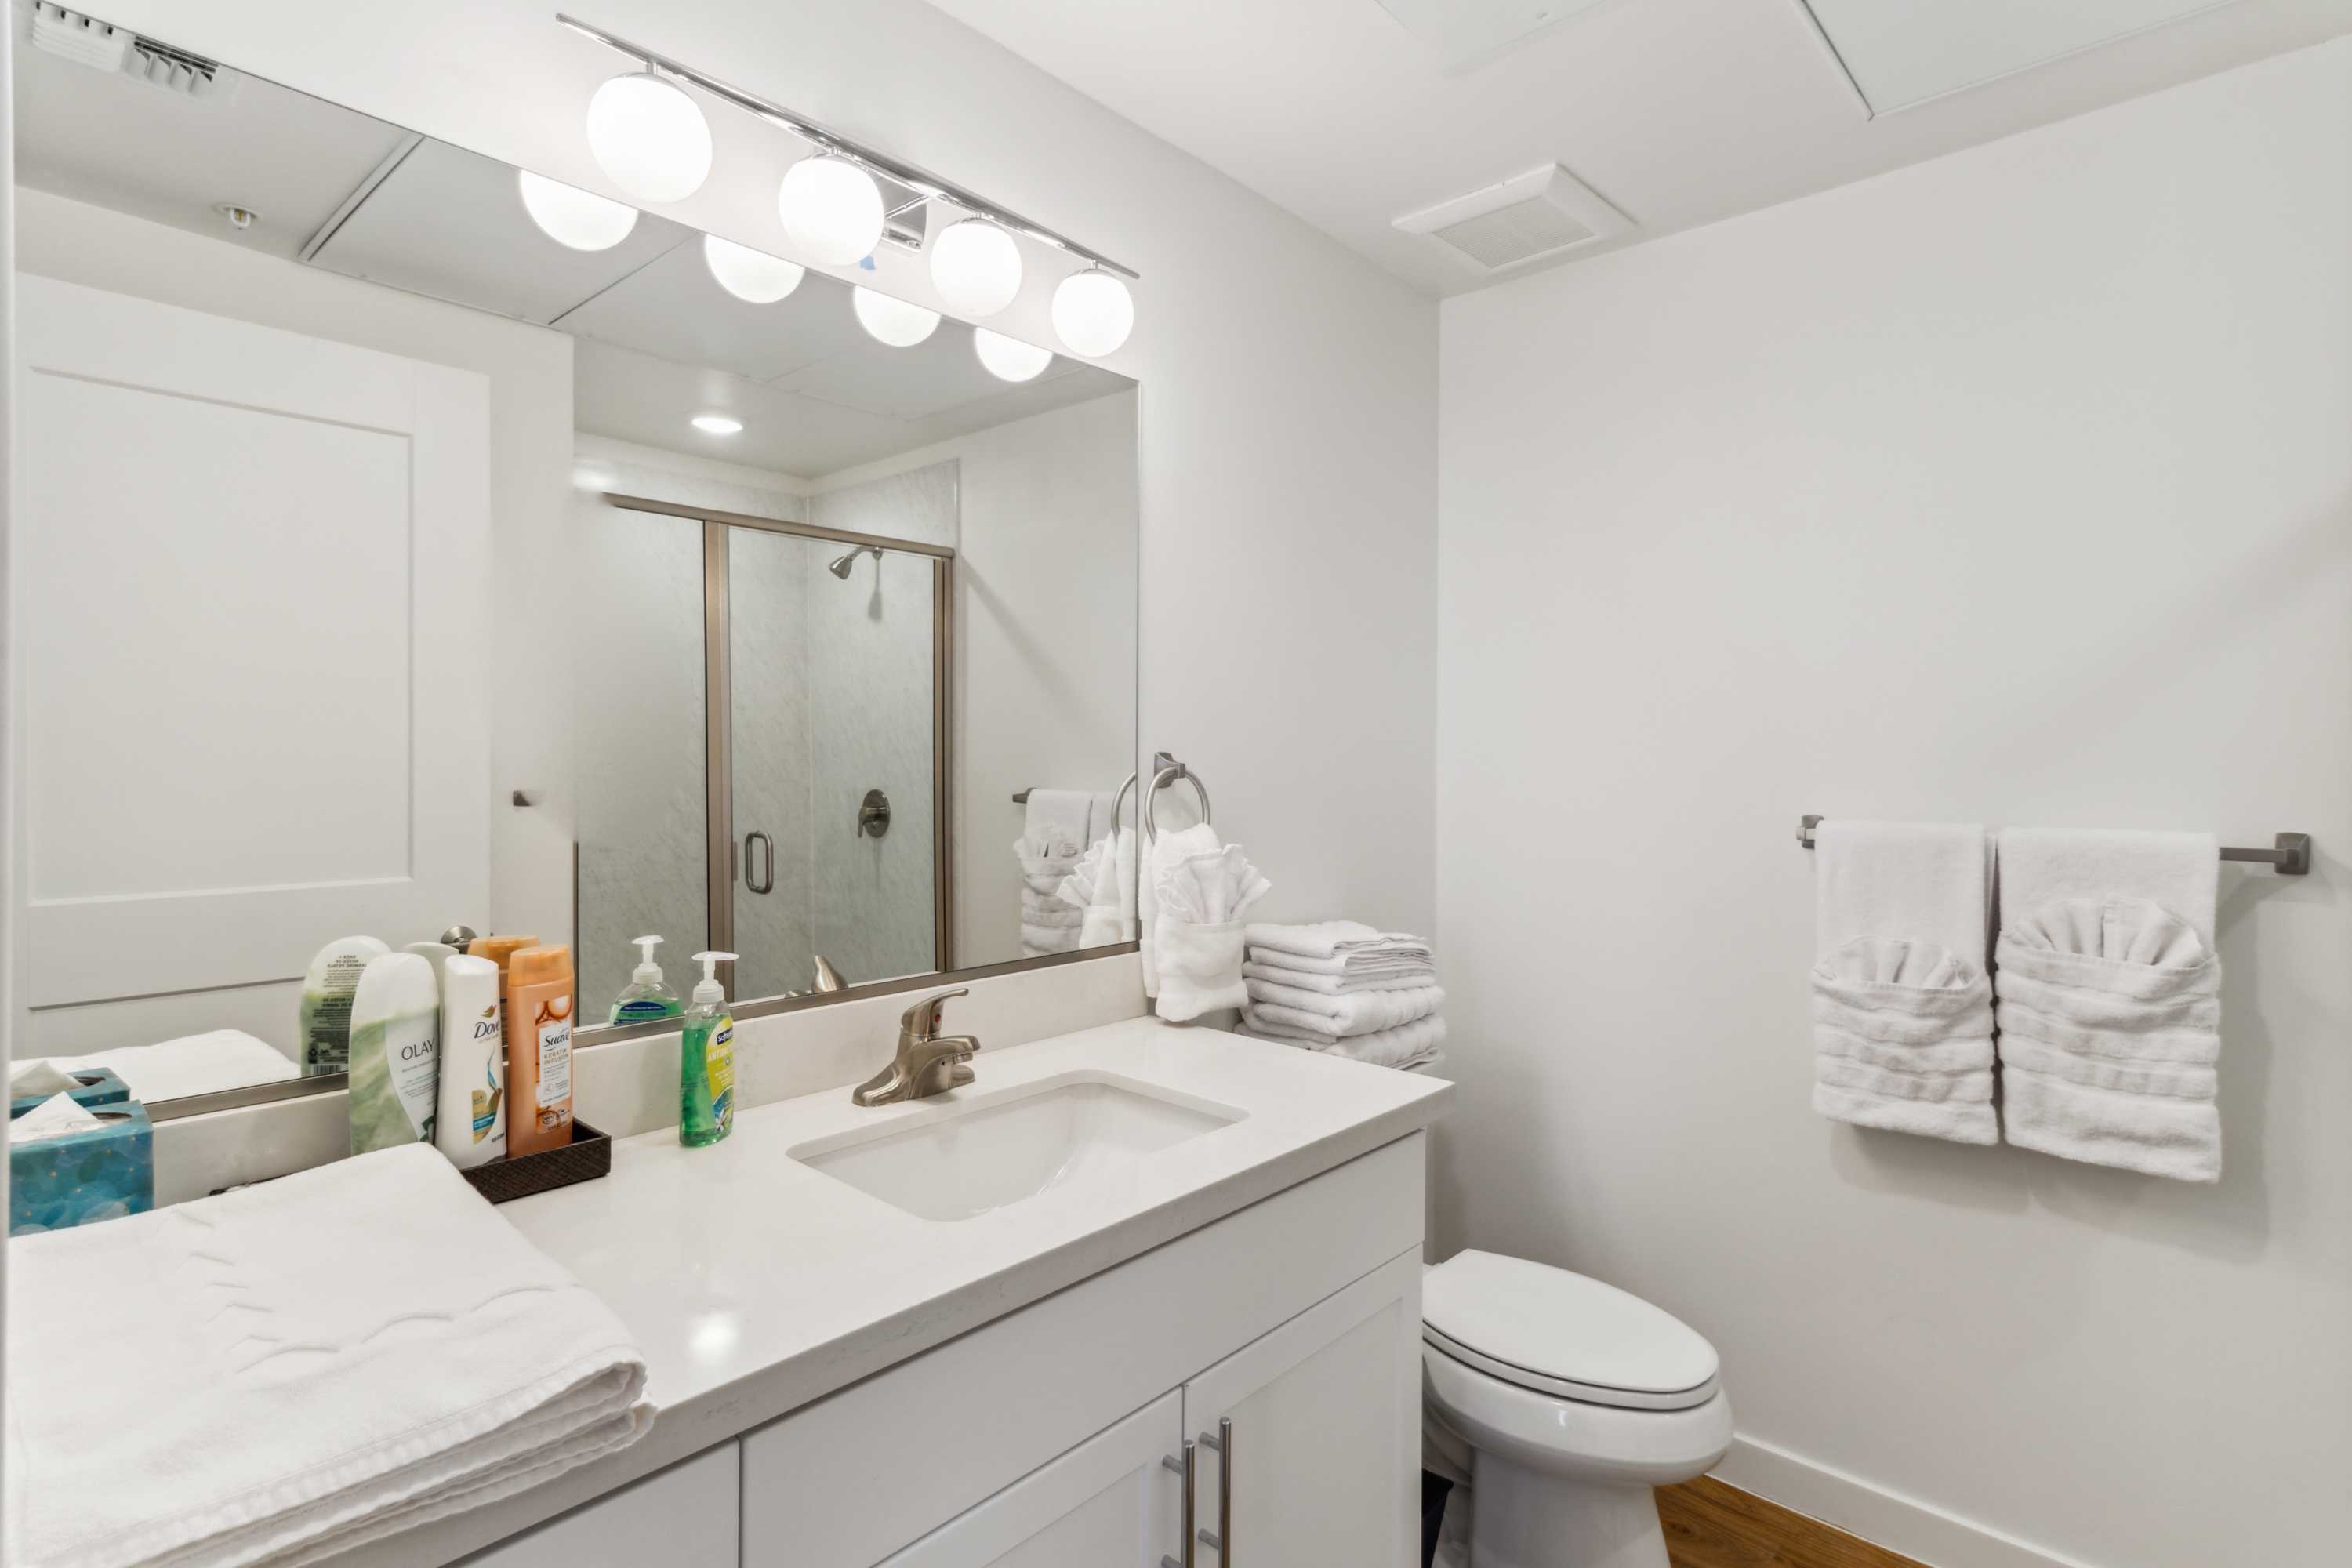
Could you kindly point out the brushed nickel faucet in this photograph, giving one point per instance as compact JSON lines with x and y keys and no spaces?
{"x":927,"y":1061}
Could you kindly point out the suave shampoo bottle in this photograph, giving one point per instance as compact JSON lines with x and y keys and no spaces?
{"x":395,"y":1053}
{"x":705,"y":1063}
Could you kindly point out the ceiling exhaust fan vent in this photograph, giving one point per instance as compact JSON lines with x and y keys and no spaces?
{"x":1540,"y":212}
{"x":103,"y":47}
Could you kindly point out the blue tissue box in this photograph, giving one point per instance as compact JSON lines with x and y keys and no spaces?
{"x":99,"y":1172}
{"x":98,"y":1087}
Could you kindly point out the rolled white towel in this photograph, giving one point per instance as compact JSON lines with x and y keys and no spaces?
{"x":1354,"y":1013}
{"x":1406,"y":1045}
{"x":2110,"y":1016}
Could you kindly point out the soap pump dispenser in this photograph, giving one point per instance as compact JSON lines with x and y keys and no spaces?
{"x":706,"y":1082}
{"x":645,"y":998}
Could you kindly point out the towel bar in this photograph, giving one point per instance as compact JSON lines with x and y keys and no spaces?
{"x":2290,"y":853}
{"x":1118,"y":802}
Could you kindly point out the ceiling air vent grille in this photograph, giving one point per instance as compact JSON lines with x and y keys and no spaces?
{"x":103,"y":47}
{"x":1537,"y":213}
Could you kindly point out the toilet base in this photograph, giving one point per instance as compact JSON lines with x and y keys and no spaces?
{"x":1525,"y":1518}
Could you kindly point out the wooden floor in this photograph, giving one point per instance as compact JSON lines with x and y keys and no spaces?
{"x":1711,"y":1525}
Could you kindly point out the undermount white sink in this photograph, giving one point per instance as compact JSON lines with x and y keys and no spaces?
{"x":979,"y":1155}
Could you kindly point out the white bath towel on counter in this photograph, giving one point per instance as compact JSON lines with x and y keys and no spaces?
{"x":1406,"y":1045}
{"x":193,"y":1064}
{"x":2110,"y":1004}
{"x":1902,"y":1005}
{"x":1357,"y":1013}
{"x":297,"y":1368}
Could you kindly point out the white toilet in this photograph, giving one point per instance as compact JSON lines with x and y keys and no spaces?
{"x":1573,"y":1399}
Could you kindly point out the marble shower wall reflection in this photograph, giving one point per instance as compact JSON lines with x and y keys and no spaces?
{"x":831,"y":697}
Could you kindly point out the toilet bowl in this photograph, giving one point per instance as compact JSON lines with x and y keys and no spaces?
{"x":1574,"y":1399}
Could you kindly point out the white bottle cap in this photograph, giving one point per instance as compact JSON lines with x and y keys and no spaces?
{"x":708,"y":988}
{"x":647,"y":968}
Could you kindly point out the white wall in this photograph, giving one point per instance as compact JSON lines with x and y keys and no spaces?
{"x":1045,"y":634}
{"x":2016,"y":488}
{"x":1288,"y":410}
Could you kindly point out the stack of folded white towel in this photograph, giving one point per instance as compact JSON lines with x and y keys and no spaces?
{"x":288,"y":1370}
{"x":1061,"y":825}
{"x":1344,"y":987}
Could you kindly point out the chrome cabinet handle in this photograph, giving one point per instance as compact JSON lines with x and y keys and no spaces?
{"x":1220,"y":1539}
{"x":767,"y":861}
{"x":1187,"y":1468}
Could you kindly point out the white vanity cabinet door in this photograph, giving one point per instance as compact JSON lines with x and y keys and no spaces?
{"x":1325,"y":1454}
{"x":689,"y":1516}
{"x":1108,"y":1503}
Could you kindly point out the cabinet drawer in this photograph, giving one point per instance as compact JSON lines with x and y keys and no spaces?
{"x":687,"y":1516}
{"x":856,"y":1476}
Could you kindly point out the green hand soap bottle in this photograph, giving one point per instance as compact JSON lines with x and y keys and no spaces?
{"x":705,"y":1076}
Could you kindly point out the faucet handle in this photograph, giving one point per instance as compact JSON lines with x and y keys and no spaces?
{"x":922,"y":1021}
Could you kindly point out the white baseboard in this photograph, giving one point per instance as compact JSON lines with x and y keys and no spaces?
{"x":1887,"y":1519}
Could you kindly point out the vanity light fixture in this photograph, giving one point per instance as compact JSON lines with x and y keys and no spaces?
{"x":976,"y":267}
{"x":834,"y":211}
{"x":718,"y":425}
{"x":1093,"y":312}
{"x":892,"y":320}
{"x":649,"y":136}
{"x":831,"y":209}
{"x":574,"y":217}
{"x":752,"y":276}
{"x":1009,"y":359}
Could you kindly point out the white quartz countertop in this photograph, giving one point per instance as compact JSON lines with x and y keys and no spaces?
{"x":756,"y":1283}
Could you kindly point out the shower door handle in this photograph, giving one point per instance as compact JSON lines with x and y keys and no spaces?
{"x":767,"y":882}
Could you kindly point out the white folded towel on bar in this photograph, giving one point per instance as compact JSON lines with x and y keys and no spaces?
{"x":1058,"y":822}
{"x":1356,"y":1013}
{"x":1335,"y":947}
{"x":2110,"y":1001}
{"x":1902,"y":1005}
{"x":293,"y":1369}
{"x":1102,"y":888}
{"x":1202,"y":898}
{"x":1165,"y":851}
{"x":1256,"y":964}
{"x":1406,"y":1045}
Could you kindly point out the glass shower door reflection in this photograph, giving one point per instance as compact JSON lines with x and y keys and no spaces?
{"x":836,"y":742}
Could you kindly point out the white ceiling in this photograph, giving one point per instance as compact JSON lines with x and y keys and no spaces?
{"x":660,"y":340}
{"x":1678,"y":112}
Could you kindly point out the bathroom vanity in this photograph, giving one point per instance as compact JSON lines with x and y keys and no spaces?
{"x":982,"y":1328}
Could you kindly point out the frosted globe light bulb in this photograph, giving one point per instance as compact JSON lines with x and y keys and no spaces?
{"x":650,"y":137}
{"x":830,"y":210}
{"x":752,"y":276}
{"x":976,"y":267}
{"x":1009,"y":359}
{"x":571,"y":216}
{"x":1093,"y":312}
{"x":893,"y":321}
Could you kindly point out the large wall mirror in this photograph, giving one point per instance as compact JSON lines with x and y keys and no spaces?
{"x":403,"y":543}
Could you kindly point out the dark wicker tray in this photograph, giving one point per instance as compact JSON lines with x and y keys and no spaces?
{"x":588,"y":1156}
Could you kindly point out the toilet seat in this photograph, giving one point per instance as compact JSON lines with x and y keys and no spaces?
{"x":1561,"y":1335}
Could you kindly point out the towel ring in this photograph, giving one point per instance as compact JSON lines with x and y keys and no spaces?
{"x":1161,"y":781}
{"x":1118,"y":801}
